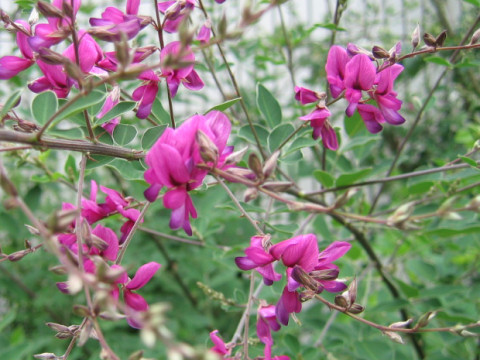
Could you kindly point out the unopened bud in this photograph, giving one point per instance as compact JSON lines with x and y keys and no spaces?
{"x":255,"y":165}
{"x":61,"y":220}
{"x":111,"y":275}
{"x":416,"y":37}
{"x":49,"y":10}
{"x":85,"y":333}
{"x":425,"y":319}
{"x":236,"y":156}
{"x":26,"y":126}
{"x":59,"y":270}
{"x":466,"y":333}
{"x":277,"y":186}
{"x":429,"y":40}
{"x":352,"y":291}
{"x":401,"y":324}
{"x":137,"y":355}
{"x":394,"y":337}
{"x":46,"y":356}
{"x":474,"y":204}
{"x":356,"y":309}
{"x":222,"y":26}
{"x":74,"y":71}
{"x":57,"y":327}
{"x":18,"y":255}
{"x":325,"y":274}
{"x":475,"y":37}
{"x":81,"y":310}
{"x":99,"y":243}
{"x":440,"y":39}
{"x":51,"y":57}
{"x":344,"y":198}
{"x":380,"y":53}
{"x":68,"y":9}
{"x":111,"y":316}
{"x":401,"y":214}
{"x":446,"y":206}
{"x":250,"y":194}
{"x":185,"y":33}
{"x":300,"y":276}
{"x":33,"y":18}
{"x":270,"y":164}
{"x":353,"y":50}
{"x":340,"y":300}
{"x":208,"y":149}
{"x":122,"y":52}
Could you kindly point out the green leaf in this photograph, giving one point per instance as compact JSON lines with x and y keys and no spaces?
{"x":70,"y":167}
{"x":73,"y":133}
{"x":473,"y":2}
{"x":329,"y":26}
{"x":159,"y":112}
{"x":354,"y":125}
{"x":269,"y":106}
{"x":324,"y":178}
{"x":124,"y":134}
{"x":407,"y":289}
{"x":278,"y":135}
{"x":93,"y":98}
{"x":44,"y":105}
{"x":350,"y":178}
{"x":469,"y":161}
{"x":151,"y":135}
{"x":359,"y":142}
{"x":292,"y":343}
{"x":130,"y":170}
{"x":437,"y":60}
{"x":300,"y":143}
{"x":10,"y":103}
{"x":224,"y":106}
{"x":97,"y":160}
{"x":448,"y":232}
{"x":246,"y":133}
{"x":117,"y":110}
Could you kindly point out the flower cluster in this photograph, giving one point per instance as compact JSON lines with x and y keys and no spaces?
{"x":173,"y":162}
{"x":352,"y":72}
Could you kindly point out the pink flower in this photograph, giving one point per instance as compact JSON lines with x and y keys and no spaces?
{"x":337,"y":60}
{"x":112,"y":99}
{"x":219,"y":345}
{"x":12,"y":65}
{"x":135,"y":304}
{"x":185,"y":75}
{"x":321,"y":127}
{"x":173,"y":160}
{"x":306,"y":96}
{"x":359,"y":75}
{"x":175,"y":11}
{"x":205,"y":32}
{"x":146,"y":93}
{"x":260,"y":259}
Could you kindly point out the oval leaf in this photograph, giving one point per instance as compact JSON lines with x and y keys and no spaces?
{"x":269,"y":106}
{"x":278,"y":135}
{"x":124,"y":134}
{"x":151,"y":135}
{"x":117,"y":110}
{"x":44,"y":105}
{"x":223,"y":106}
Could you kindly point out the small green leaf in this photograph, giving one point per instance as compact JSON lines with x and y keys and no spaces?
{"x":73,"y":133}
{"x":354,"y":125}
{"x":44,"y":105}
{"x":292,"y":343}
{"x":70,"y":167}
{"x":10,"y":103}
{"x":473,"y":2}
{"x":246,"y":133}
{"x":438,"y":60}
{"x":325,"y":178}
{"x":269,"y":106}
{"x":469,"y":161}
{"x":130,"y":170}
{"x":300,"y":143}
{"x":151,"y":135}
{"x":117,"y":110}
{"x":278,"y":135}
{"x":97,"y":160}
{"x":350,"y":178}
{"x":93,"y":98}
{"x":159,"y":112}
{"x":224,"y":106}
{"x":329,"y":26}
{"x":124,"y":134}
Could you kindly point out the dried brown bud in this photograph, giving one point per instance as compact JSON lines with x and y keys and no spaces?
{"x":401,"y":324}
{"x":18,"y":255}
{"x":74,"y":71}
{"x":236,"y":156}
{"x":352,"y":291}
{"x":429,"y":40}
{"x":85,"y":333}
{"x":81,"y":310}
{"x":475,"y":37}
{"x":122,"y":52}
{"x":255,"y":164}
{"x":47,"y":356}
{"x":380,"y":53}
{"x":60,"y":221}
{"x":99,"y":243}
{"x":356,"y":309}
{"x":68,"y":9}
{"x":59,"y":270}
{"x":340,"y":300}
{"x":48,"y":10}
{"x":326,"y":274}
{"x":270,"y":164}
{"x":57,"y":327}
{"x":51,"y":57}
{"x":137,"y":355}
{"x":401,"y":214}
{"x":416,"y":37}
{"x":26,"y":126}
{"x":208,"y":149}
{"x":440,"y":39}
{"x":300,"y":276}
{"x":394,"y":337}
{"x":222,"y":26}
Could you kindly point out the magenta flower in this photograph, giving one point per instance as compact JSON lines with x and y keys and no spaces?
{"x":146,"y":93}
{"x":185,"y":75}
{"x":321,"y":127}
{"x":175,"y":11}
{"x":205,"y":32}
{"x":112,"y":99}
{"x":267,"y":321}
{"x":114,"y":22}
{"x":337,"y":60}
{"x":135,"y":304}
{"x":306,"y":96}
{"x":173,"y":160}
{"x":260,"y":259}
{"x":219,"y":346}
{"x":359,"y":75}
{"x":12,"y":65}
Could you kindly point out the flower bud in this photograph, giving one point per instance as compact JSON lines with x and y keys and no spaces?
{"x":99,"y":243}
{"x":59,"y":270}
{"x":277,"y":186}
{"x":352,"y":291}
{"x":440,"y":39}
{"x":356,"y":309}
{"x":47,"y":356}
{"x":236,"y":156}
{"x":122,"y":52}
{"x":380,"y":53}
{"x":57,"y":327}
{"x":401,"y":324}
{"x":429,"y":40}
{"x":475,"y":37}
{"x":208,"y":149}
{"x":18,"y":255}
{"x":300,"y":276}
{"x":51,"y":57}
{"x":255,"y":164}
{"x":325,"y":274}
{"x":425,"y":319}
{"x":26,"y":126}
{"x":33,"y":18}
{"x":394,"y":337}
{"x":68,"y":9}
{"x":74,"y":71}
{"x":270,"y":164}
{"x":49,"y":10}
{"x":81,"y":310}
{"x":340,"y":300}
{"x":137,"y":355}
{"x":474,"y":204}
{"x":250,"y":194}
{"x":416,"y":37}
{"x":401,"y":214}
